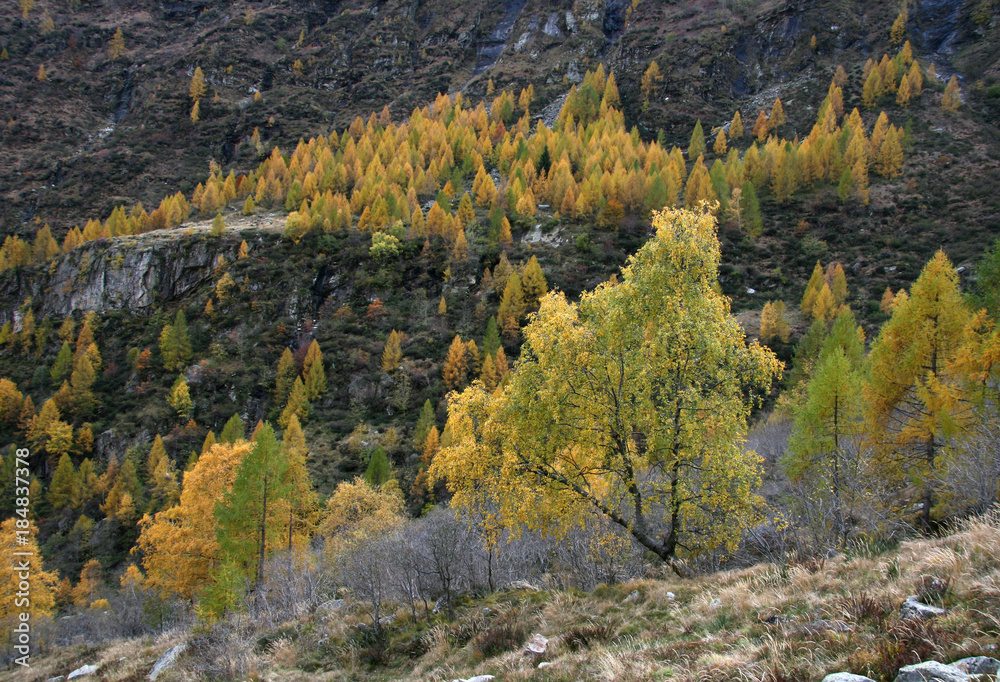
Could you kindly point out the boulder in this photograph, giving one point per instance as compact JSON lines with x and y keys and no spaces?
{"x":914,"y":608}
{"x":978,"y":665}
{"x":537,"y":645}
{"x":166,"y":660}
{"x":931,"y":671}
{"x":846,"y":677}
{"x":81,"y":671}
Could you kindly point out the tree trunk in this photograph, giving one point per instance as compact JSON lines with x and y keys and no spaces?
{"x":263,"y":537}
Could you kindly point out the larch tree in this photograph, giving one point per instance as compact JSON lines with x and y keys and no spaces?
{"x":642,"y":413}
{"x":898,"y":30}
{"x":456,"y":365}
{"x":951,"y":100}
{"x":512,"y":307}
{"x":392,"y":353}
{"x":533,"y":283}
{"x":233,"y":430}
{"x":720,"y":146}
{"x":197,"y":89}
{"x":425,"y":421}
{"x":696,"y":146}
{"x":298,"y":404}
{"x":750,"y":210}
{"x":313,"y":374}
{"x":175,"y":343}
{"x":915,"y":403}
{"x":760,"y":127}
{"x":284,"y":377}
{"x":116,"y":48}
{"x":736,"y":127}
{"x":41,"y":583}
{"x":180,"y":398}
{"x":63,"y":364}
{"x":650,"y":79}
{"x":825,"y":450}
{"x":63,"y":489}
{"x":179,"y":548}
{"x":777,"y":118}
{"x":246,"y":520}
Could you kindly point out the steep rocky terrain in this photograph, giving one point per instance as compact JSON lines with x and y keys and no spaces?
{"x":100,"y":131}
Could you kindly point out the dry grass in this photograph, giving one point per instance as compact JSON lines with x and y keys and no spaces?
{"x":774,"y":623}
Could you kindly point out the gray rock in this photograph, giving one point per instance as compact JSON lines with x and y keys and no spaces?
{"x":847,"y":677}
{"x":537,"y":645}
{"x":167,"y":660}
{"x":545,"y":664}
{"x":914,"y":608}
{"x":477,"y":678}
{"x":56,"y":679}
{"x":81,"y":671}
{"x":633,"y":597}
{"x":332,"y":605}
{"x":524,"y":585}
{"x":931,"y":671}
{"x":978,"y":665}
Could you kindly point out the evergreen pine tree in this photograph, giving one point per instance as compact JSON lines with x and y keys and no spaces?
{"x":378,"y":471}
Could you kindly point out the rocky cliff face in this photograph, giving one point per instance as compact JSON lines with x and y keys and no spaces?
{"x":136,"y":274}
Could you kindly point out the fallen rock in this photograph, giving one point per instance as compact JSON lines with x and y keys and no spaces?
{"x":477,"y":678}
{"x":914,"y":608}
{"x":524,"y":585}
{"x":166,"y":660}
{"x":81,"y":671}
{"x":671,"y":596}
{"x":537,"y":645}
{"x":931,"y":671}
{"x":847,"y":677}
{"x":978,"y":665}
{"x":545,"y":664}
{"x":633,"y":597}
{"x":56,"y":679}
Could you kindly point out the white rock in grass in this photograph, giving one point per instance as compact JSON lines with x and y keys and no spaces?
{"x":914,"y":608}
{"x":978,"y":665}
{"x":80,"y":672}
{"x":931,"y":671}
{"x":847,"y":677}
{"x":166,"y":660}
{"x":536,"y":645}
